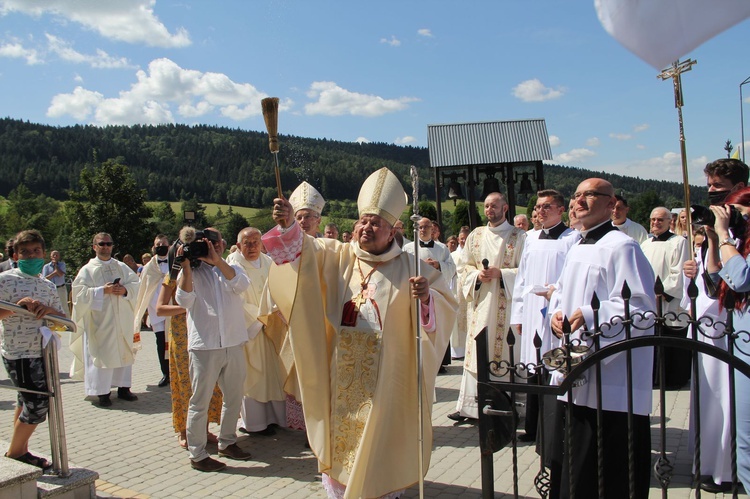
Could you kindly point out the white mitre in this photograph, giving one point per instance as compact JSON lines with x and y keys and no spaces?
{"x":382,"y":194}
{"x":307,"y":197}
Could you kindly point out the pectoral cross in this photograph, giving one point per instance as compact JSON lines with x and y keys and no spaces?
{"x":359,"y":300}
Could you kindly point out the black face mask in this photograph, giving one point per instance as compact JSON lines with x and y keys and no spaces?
{"x":161,"y":250}
{"x":717,"y":197}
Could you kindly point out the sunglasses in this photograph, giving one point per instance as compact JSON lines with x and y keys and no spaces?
{"x":104,"y":243}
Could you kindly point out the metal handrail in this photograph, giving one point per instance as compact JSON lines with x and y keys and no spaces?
{"x":56,"y":420}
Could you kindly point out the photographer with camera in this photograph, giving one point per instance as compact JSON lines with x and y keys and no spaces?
{"x":723,"y":177}
{"x":734,"y":271}
{"x":211,"y":291}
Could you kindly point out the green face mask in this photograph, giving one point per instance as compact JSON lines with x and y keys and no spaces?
{"x":32,"y":266}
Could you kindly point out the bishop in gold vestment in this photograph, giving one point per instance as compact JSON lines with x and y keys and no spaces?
{"x":358,"y":374}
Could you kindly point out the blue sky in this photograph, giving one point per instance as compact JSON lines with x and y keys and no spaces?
{"x":372,"y":71}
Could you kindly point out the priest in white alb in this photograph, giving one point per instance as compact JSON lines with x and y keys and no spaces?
{"x":489,"y":264}
{"x":602,"y":262}
{"x":104,"y":295}
{"x":667,"y":252}
{"x":263,"y":404}
{"x":351,"y":312}
{"x":541,"y":263}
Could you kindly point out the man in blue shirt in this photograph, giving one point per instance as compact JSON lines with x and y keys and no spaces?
{"x":55,"y":272}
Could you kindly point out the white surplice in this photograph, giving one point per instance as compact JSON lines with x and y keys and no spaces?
{"x":713,"y":378}
{"x":667,"y":257}
{"x":603,"y":268}
{"x":541,"y":264}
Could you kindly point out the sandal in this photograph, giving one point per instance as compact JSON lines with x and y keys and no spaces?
{"x":33,"y":460}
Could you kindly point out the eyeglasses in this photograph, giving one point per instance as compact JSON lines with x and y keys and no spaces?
{"x":589,"y":194}
{"x":105,"y":243}
{"x":545,"y":206}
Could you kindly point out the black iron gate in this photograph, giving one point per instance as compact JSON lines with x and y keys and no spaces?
{"x":582,"y":356}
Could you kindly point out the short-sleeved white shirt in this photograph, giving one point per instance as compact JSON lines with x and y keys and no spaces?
{"x":21,"y":338}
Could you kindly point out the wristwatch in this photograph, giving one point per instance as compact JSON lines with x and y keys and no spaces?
{"x":729,"y":240}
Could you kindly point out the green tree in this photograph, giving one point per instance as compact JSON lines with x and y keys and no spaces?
{"x":166,"y":220}
{"x":641,"y":206}
{"x":29,"y":211}
{"x":233,"y":225}
{"x":108,"y":201}
{"x":461,"y":216}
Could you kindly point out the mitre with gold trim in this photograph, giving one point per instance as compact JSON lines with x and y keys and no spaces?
{"x":382,"y":194}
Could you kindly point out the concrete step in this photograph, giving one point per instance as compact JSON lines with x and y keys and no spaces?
{"x":17,"y":480}
{"x":22,"y":481}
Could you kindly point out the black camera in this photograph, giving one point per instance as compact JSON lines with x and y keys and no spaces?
{"x":197,"y":247}
{"x":702,"y":215}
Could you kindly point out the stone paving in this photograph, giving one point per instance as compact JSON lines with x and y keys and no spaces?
{"x":134,"y":449}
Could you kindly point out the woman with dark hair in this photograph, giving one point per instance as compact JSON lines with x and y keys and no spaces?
{"x":734,"y":272}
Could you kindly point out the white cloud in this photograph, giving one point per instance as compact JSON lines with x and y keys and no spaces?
{"x":15,"y":50}
{"x":425,"y":32}
{"x":362,"y":140}
{"x":593,"y":142}
{"x":620,"y":136}
{"x":102,"y":60}
{"x":332,"y":100}
{"x":78,"y":78}
{"x":392,"y":41}
{"x":402,"y":141}
{"x":641,"y":128}
{"x":640,"y":146}
{"x":149,"y":100}
{"x":554,"y":140}
{"x":574,"y":156}
{"x":535,"y":91}
{"x":132,"y":21}
{"x":80,"y":104}
{"x":668,"y":166}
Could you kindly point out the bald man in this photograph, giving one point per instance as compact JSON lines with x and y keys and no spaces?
{"x":603,"y":260}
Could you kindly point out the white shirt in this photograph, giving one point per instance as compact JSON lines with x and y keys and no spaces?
{"x":215,"y":314}
{"x":21,"y":338}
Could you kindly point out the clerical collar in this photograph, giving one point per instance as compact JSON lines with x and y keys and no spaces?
{"x":426,"y":244}
{"x":554,"y":232}
{"x":663,"y":237}
{"x":392,"y":252}
{"x":166,"y":260}
{"x":591,"y":236}
{"x":503,"y":227}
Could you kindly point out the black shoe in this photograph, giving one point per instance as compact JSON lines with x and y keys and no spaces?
{"x":163,"y":382}
{"x":456,"y":416}
{"x":525,"y":437}
{"x":442,"y":370}
{"x":710,"y":486}
{"x":126,"y":394}
{"x":104,"y":401}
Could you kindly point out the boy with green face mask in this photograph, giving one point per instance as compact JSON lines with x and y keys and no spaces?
{"x":21,"y":343}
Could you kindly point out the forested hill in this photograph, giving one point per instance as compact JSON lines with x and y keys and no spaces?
{"x":232,"y":166}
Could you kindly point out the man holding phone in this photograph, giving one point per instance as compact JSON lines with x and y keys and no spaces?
{"x":104,"y":294}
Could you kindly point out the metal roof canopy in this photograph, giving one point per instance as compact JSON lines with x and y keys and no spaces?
{"x":488,"y":147}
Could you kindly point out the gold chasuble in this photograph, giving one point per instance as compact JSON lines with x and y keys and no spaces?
{"x":359,"y":382}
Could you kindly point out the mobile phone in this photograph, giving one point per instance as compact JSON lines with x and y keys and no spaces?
{"x":116,"y":281}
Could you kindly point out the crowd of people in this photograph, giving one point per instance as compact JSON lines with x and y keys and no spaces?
{"x":315,"y":331}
